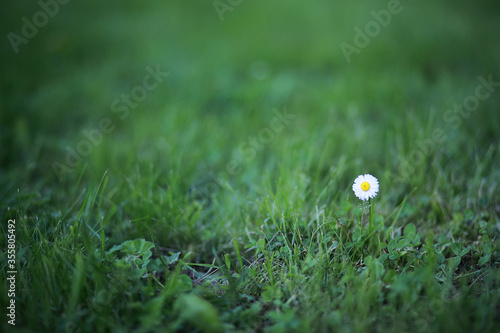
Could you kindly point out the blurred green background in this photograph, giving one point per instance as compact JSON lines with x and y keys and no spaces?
{"x":226,"y":76}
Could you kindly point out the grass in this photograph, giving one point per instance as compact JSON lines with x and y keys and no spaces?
{"x":203,"y":211}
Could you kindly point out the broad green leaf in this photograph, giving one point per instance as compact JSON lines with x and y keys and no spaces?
{"x":465,"y":251}
{"x":173,"y":258}
{"x":484,"y":260}
{"x":416,"y":240}
{"x":454,"y":262}
{"x":410,"y":231}
{"x":456,"y":248}
{"x":115,"y":248}
{"x":185,"y":283}
{"x":392,"y":244}
{"x":357,"y":234}
{"x":137,"y":247}
{"x":378,"y":269}
{"x":402,"y":244}
{"x":394,"y":255}
{"x":383,"y":257}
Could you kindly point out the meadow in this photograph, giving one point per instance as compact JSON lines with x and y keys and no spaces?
{"x":188,"y":166}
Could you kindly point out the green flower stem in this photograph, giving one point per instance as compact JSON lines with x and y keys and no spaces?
{"x":370,"y":226}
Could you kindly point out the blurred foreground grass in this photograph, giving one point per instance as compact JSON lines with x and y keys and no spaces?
{"x":251,"y":212}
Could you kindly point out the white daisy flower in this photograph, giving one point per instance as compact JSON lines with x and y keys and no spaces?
{"x":365,"y":187}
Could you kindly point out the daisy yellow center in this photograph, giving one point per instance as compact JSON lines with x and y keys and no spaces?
{"x":365,"y":186}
